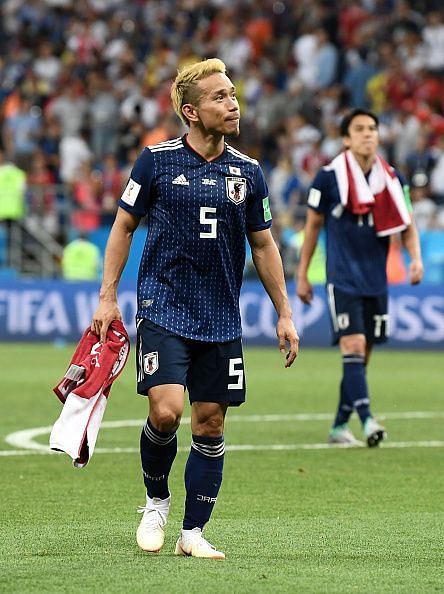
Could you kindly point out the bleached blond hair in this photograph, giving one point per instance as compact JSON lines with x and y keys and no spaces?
{"x":185,"y":90}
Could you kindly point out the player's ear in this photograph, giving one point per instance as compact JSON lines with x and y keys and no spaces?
{"x":346,"y":141}
{"x":190,"y":112}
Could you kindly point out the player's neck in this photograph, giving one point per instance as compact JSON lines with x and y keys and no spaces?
{"x":208,"y":146}
{"x":365,"y":162}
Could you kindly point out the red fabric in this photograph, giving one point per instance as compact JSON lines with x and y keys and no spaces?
{"x":98,"y":361}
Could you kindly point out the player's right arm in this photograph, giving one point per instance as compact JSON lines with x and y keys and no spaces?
{"x":133,"y":205}
{"x":313,"y":226}
{"x":116,"y":255}
{"x":317,"y":204}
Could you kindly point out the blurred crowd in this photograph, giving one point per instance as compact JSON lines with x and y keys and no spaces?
{"x":85,"y":84}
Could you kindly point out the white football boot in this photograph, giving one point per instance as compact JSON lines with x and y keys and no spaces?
{"x":191,"y":543}
{"x":342,"y":435}
{"x":374,"y":432}
{"x":150,"y":535}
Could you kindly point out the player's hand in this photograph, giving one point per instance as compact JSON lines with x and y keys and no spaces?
{"x":416,"y":271}
{"x":304,"y":290}
{"x":106,"y":312}
{"x":286,"y":333}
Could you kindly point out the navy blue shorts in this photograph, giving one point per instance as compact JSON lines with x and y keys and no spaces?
{"x":354,"y":314}
{"x":211,"y":371}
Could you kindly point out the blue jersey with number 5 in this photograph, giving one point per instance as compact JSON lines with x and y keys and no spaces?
{"x":198,"y":213}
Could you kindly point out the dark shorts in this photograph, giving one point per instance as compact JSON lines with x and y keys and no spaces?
{"x":211,"y":371}
{"x":354,"y":314}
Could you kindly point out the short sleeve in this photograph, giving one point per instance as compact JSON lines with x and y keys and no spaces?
{"x":136,"y":196}
{"x":317,"y":198}
{"x":258,"y":206}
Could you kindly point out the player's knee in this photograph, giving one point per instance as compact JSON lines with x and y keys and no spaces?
{"x":165,"y":419}
{"x":211,"y":426}
{"x":353,"y":344}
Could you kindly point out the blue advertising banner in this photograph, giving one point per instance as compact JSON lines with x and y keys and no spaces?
{"x":60,"y":311}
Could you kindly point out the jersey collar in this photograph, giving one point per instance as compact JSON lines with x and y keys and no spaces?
{"x":190,"y":149}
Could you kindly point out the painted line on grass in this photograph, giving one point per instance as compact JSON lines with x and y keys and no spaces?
{"x":243,"y":448}
{"x":24,"y":440}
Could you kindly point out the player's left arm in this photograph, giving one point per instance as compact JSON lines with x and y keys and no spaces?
{"x":268,"y":263}
{"x":410,"y":240}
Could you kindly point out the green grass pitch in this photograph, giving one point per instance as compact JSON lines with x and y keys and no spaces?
{"x":290,"y":518}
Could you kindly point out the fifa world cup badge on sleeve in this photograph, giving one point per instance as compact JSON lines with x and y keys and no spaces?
{"x":131,"y":192}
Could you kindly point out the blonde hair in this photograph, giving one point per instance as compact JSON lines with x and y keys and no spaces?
{"x":184,"y":88}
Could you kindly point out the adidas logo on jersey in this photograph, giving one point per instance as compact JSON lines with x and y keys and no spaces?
{"x":181,"y":180}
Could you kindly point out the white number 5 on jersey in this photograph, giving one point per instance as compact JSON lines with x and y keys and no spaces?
{"x":212,"y":222}
{"x":239,"y":373}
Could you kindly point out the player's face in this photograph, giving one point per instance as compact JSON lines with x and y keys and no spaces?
{"x":363,"y":136}
{"x":218,"y":107}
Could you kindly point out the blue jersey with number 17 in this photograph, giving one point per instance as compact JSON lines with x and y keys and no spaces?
{"x":198,"y":213}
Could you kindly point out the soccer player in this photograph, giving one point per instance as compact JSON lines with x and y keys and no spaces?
{"x":201,"y":197}
{"x":361,"y":201}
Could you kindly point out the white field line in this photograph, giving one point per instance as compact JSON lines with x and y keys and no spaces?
{"x":243,"y":448}
{"x":24,"y":440}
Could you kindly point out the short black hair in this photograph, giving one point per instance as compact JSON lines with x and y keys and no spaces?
{"x":347,"y":119}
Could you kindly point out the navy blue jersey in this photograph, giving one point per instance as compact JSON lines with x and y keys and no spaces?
{"x":356,"y":256}
{"x":198,"y":213}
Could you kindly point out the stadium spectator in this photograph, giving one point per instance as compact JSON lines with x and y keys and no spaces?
{"x":304,"y":48}
{"x":47,"y":66}
{"x":420,"y":162}
{"x":12,"y":198}
{"x":360,"y":204}
{"x":41,"y":199}
{"x":433,"y":35}
{"x":424,"y":208}
{"x":331,"y":144}
{"x":357,"y":73}
{"x":110,"y":188}
{"x":233,"y":46}
{"x":22,"y":131}
{"x":325,"y":60}
{"x":74,"y":152}
{"x":189,"y":337}
{"x":86,"y":191}
{"x":285,"y":189}
{"x":49,"y":144}
{"x":70,"y":107}
{"x":81,"y":260}
{"x":103,"y":115}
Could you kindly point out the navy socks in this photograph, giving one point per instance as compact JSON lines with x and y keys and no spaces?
{"x":157,"y":451}
{"x":354,"y":391}
{"x":203,"y":478}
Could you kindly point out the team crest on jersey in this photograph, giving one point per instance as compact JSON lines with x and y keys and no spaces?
{"x":236,"y":189}
{"x":151,"y":363}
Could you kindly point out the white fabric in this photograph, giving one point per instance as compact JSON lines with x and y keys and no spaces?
{"x":79,"y":416}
